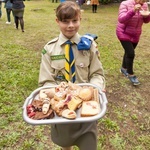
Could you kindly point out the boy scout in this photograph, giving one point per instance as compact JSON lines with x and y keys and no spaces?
{"x":88,"y":69}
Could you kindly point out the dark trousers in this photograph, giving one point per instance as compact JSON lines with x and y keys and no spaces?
{"x":94,"y":8}
{"x":54,"y":1}
{"x":129,"y":55}
{"x":8,"y":12}
{"x":0,"y":9}
{"x":17,"y":20}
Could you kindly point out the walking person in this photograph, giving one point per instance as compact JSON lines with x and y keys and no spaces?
{"x":18,"y":12}
{"x":88,"y":69}
{"x":129,"y":28}
{"x":8,"y":6}
{"x":94,"y":4}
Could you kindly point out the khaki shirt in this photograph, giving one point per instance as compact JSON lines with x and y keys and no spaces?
{"x":87,"y":65}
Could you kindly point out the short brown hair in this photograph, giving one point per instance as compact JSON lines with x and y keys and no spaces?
{"x":67,"y":10}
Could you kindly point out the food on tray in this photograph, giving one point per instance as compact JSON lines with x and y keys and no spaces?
{"x":37,"y":105}
{"x":96,"y":96}
{"x":46,"y":105}
{"x":34,"y":111}
{"x":90,"y":108}
{"x":59,"y":107}
{"x":39,"y":115}
{"x":86,"y":93}
{"x":47,"y":93}
{"x":60,"y":95}
{"x":64,"y":101}
{"x":50,"y":92}
{"x":30,"y":111}
{"x":69,"y":114}
{"x":42,"y":95}
{"x":74,"y":103}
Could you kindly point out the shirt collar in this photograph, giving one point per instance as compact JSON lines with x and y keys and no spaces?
{"x":63,"y":39}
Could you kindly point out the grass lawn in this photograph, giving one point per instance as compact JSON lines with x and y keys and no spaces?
{"x":126,"y":125}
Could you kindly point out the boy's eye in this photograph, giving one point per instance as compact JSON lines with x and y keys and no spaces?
{"x":64,"y":21}
{"x":75,"y":20}
{"x":67,"y":21}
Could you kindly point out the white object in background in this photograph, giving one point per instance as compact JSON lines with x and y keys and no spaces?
{"x":88,"y":2}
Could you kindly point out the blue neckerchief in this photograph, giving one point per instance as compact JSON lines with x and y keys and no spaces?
{"x":86,"y":41}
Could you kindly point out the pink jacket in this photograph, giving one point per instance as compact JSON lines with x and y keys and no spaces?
{"x":129,"y":26}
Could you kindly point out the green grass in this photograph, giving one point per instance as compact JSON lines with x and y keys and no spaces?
{"x":125,"y":126}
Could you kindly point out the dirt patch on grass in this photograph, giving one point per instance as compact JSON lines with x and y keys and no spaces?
{"x":128,"y":110}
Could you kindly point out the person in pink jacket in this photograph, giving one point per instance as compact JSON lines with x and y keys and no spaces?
{"x":132,"y":15}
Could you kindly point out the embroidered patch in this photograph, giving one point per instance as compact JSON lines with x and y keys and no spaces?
{"x":60,"y":76}
{"x":44,"y":51}
{"x":57,"y":57}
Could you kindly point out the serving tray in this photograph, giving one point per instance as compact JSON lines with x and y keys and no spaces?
{"x":60,"y":120}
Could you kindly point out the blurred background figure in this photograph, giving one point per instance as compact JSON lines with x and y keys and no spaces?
{"x":131,"y":17}
{"x":8,"y":6}
{"x":0,"y":9}
{"x":94,"y":4}
{"x":54,"y":1}
{"x":18,"y":12}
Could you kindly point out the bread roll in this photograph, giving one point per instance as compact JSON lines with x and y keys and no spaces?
{"x":50,"y":92}
{"x":86,"y":93}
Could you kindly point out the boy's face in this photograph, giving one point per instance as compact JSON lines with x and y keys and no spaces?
{"x":69,"y":27}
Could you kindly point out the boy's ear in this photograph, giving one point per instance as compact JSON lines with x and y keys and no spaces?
{"x":57,"y":20}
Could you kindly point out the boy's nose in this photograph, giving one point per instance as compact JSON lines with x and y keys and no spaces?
{"x":70,"y":23}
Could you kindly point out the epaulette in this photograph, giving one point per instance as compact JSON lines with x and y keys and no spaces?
{"x":44,"y":51}
{"x":53,"y":41}
{"x":92,"y":37}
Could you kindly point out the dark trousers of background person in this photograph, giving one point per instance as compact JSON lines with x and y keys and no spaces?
{"x":17,"y":19}
{"x":18,"y":16}
{"x":129,"y":54}
{"x":54,"y":1}
{"x":8,"y":12}
{"x":94,"y":8}
{"x":0,"y":9}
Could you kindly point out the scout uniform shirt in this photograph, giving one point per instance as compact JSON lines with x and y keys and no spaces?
{"x":88,"y":68}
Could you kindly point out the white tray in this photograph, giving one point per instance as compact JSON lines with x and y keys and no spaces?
{"x":61,"y":120}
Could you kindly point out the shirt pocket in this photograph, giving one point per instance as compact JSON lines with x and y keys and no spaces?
{"x":58,"y":67}
{"x":82,"y":68}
